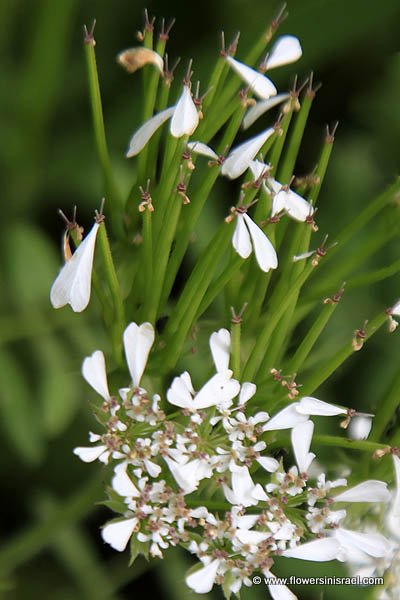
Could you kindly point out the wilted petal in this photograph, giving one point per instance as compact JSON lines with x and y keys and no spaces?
{"x":202,"y":581}
{"x":203,"y":150}
{"x":313,"y":406}
{"x":263,"y":249}
{"x":94,"y":371}
{"x":118,"y":533}
{"x":261,"y":107}
{"x":285,"y":419}
{"x":220,"y":345}
{"x":138,"y":341}
{"x":147,"y":130}
{"x":286,"y":50}
{"x":367,"y":491}
{"x":73,"y":283}
{"x":301,"y":441}
{"x":185,"y":118}
{"x":258,"y":83}
{"x":321,"y":550}
{"x":239,"y":159}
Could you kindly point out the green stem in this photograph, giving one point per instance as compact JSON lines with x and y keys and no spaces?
{"x":235,"y":346}
{"x":323,"y":371}
{"x":100,"y":137}
{"x":277,"y":311}
{"x":386,"y":408}
{"x":339,"y":442}
{"x":118,"y":323}
{"x":148,"y":252}
{"x":312,"y":336}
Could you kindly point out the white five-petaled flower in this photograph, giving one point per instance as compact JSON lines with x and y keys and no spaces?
{"x":184,"y":121}
{"x":73,"y":283}
{"x":248,"y":236}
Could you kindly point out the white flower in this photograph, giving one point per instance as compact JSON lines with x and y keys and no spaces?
{"x":138,"y":341}
{"x":92,"y":453}
{"x":290,"y":202}
{"x":243,"y":488}
{"x":185,"y":119}
{"x":203,"y":150}
{"x":73,"y":283}
{"x":239,"y":159}
{"x":220,"y":389}
{"x":189,"y":475}
{"x":248,"y":236}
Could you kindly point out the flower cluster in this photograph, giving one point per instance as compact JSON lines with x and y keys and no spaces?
{"x":209,"y":477}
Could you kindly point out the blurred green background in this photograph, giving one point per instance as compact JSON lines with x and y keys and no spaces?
{"x":50,"y":544}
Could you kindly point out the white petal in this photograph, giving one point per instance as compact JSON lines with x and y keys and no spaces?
{"x":203,"y":149}
{"x":367,"y":491}
{"x":152,"y":468}
{"x":202,"y":581}
{"x":313,"y":406}
{"x":242,"y":488}
{"x":241,"y":238}
{"x":301,"y":442}
{"x":138,"y":341}
{"x":262,"y":107}
{"x":298,"y":208}
{"x":285,"y":419}
{"x":188,"y":475}
{"x":268,"y":463}
{"x":185,"y":118}
{"x":359,"y":427}
{"x":279,"y":591}
{"x":252,"y":537}
{"x":247,"y":391}
{"x":263,"y":249}
{"x":73,"y":283}
{"x":286,"y":50}
{"x":373,"y":544}
{"x":122,"y":483}
{"x":181,"y":390}
{"x":321,"y":550}
{"x":147,"y":130}
{"x":118,"y":534}
{"x":258,"y":83}
{"x":94,"y":371}
{"x":239,"y":159}
{"x":220,"y":345}
{"x":395,"y":310}
{"x":258,"y":168}
{"x":220,"y":388}
{"x":89,"y":454}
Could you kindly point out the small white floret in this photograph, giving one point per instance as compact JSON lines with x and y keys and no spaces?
{"x":185,"y":118}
